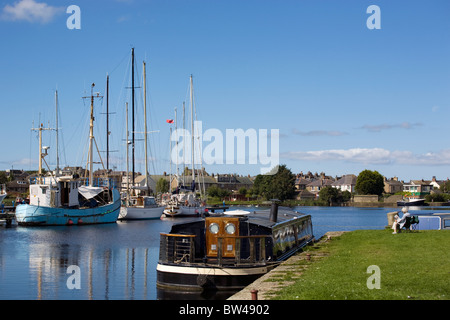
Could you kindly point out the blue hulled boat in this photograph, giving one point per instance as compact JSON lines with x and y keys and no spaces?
{"x":69,"y":200}
{"x":66,"y":202}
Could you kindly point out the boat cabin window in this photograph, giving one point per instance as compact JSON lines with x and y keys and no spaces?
{"x":149,"y":201}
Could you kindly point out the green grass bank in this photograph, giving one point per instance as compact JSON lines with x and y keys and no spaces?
{"x":413,"y":265}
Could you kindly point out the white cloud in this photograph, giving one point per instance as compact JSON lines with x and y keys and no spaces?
{"x":31,"y":11}
{"x":372,"y":156}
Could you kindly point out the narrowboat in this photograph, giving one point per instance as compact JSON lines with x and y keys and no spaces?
{"x":228,"y":251}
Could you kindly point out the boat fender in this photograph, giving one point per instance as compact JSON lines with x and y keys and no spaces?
{"x":70,"y":222}
{"x":80,"y":221}
{"x":202,"y":280}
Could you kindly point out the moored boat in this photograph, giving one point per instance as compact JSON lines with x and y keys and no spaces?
{"x":141,"y":208}
{"x":68,"y":200}
{"x":230,"y":250}
{"x":68,"y":203}
{"x":411,"y":202}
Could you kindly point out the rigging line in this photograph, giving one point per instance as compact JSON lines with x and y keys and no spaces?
{"x":31,"y":133}
{"x":121,"y":61}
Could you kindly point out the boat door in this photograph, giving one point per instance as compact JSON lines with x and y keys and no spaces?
{"x":220,"y":227}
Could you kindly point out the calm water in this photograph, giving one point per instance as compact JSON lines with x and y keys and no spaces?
{"x":118,"y":261}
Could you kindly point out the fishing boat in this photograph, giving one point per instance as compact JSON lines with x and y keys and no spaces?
{"x":228,"y":251}
{"x":142,"y":207}
{"x":69,"y":200}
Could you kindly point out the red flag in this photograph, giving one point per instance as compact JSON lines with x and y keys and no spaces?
{"x":169,"y":120}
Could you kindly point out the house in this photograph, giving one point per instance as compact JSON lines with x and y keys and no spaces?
{"x":346,"y":183}
{"x":418,"y":187}
{"x":392,"y":185}
{"x":301,"y":182}
{"x":305,"y":195}
{"x":436,"y":183}
{"x":20,"y":185}
{"x":316,"y":185}
{"x":233,"y":182}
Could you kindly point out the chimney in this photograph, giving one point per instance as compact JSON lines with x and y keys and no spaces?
{"x":274,"y":210}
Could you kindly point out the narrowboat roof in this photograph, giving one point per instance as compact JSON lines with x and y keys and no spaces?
{"x":259,"y":217}
{"x":262,"y":217}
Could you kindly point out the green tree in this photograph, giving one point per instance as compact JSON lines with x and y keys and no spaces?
{"x":216,"y":192}
{"x":369,"y":182}
{"x":445,"y":187}
{"x":280,"y":185}
{"x":243,"y":191}
{"x":162,"y":185}
{"x":330,"y":194}
{"x":3,"y":177}
{"x":346,"y":195}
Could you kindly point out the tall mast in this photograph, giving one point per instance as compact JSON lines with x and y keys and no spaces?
{"x":57,"y":129}
{"x":184,"y":145}
{"x":132,"y":110}
{"x":176,"y":150}
{"x":128,"y":170}
{"x":192,"y":135}
{"x":145,"y":128}
{"x":107,"y":122}
{"x":91,"y":139}
{"x":41,"y":154}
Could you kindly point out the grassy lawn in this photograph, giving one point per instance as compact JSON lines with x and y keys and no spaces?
{"x":412,"y":265}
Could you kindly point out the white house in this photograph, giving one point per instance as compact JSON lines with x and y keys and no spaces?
{"x":346,"y":183}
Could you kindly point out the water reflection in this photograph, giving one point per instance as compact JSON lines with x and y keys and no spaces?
{"x":104,"y":274}
{"x":118,"y":261}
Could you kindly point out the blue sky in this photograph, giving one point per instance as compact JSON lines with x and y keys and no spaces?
{"x":345,"y":98}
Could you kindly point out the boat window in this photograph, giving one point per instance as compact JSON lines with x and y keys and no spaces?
{"x":230,"y":228}
{"x":214,"y":228}
{"x":150,"y":201}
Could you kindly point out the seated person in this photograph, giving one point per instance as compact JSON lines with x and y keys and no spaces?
{"x":400,"y":222}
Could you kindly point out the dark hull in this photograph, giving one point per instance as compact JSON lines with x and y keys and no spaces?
{"x":198,"y":278}
{"x":420,"y":202}
{"x":196,"y":257}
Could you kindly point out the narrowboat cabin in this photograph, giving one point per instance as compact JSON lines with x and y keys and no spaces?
{"x":230,"y":250}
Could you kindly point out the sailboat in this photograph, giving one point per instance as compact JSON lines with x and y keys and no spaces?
{"x":192,"y":206}
{"x":139,"y":207}
{"x":68,"y":200}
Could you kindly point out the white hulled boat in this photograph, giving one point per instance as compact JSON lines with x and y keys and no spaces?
{"x":139,"y":207}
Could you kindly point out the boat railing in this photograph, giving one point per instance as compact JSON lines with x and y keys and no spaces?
{"x":96,"y":182}
{"x":177,"y":248}
{"x":180,"y":249}
{"x":99,"y":182}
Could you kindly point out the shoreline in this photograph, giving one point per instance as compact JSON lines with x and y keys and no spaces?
{"x":268,"y":284}
{"x":349,"y":204}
